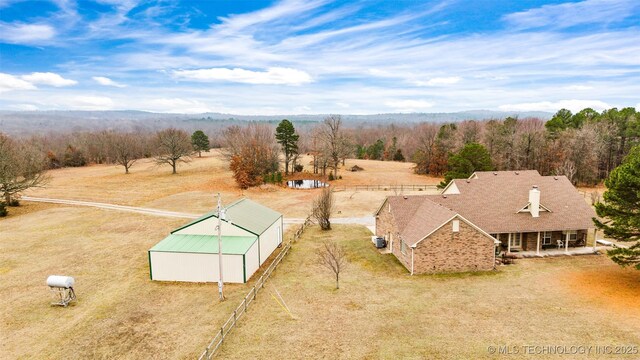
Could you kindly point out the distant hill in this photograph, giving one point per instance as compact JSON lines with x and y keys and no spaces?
{"x":30,"y":122}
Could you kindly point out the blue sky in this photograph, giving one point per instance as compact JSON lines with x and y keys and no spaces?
{"x":319,"y":56}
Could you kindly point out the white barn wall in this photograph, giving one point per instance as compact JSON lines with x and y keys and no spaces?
{"x":208,"y":227}
{"x":251,"y":260}
{"x":270,"y":239}
{"x":195,"y":267}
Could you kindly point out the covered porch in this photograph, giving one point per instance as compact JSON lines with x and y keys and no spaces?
{"x":546,"y":242}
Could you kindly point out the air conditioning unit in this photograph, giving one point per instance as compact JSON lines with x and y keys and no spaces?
{"x":380,"y":243}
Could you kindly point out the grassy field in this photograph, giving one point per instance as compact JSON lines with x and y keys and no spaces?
{"x":119,"y":311}
{"x":382,"y":312}
{"x":192,"y":189}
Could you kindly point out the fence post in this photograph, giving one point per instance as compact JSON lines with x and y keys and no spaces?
{"x":235,"y":316}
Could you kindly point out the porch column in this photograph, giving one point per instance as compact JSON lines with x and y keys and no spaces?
{"x":538,"y":244}
{"x":509,"y":244}
{"x":566,"y":242}
{"x":595,"y":239}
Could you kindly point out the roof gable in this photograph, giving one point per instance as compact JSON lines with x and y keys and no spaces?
{"x":245,"y":214}
{"x":493,"y":202}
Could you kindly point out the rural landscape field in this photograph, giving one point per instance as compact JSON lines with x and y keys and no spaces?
{"x":319,"y":179}
{"x":120,"y":312}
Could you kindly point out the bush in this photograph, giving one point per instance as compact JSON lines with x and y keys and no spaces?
{"x":14,"y":203}
{"x":340,"y":177}
{"x":3,"y":210}
{"x":331,"y":178}
{"x":298,"y":168}
{"x":279,"y":177}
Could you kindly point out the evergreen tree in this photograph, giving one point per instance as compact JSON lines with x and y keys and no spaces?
{"x":471,"y":158}
{"x":288,"y":139}
{"x":621,"y":209}
{"x":200,"y":142}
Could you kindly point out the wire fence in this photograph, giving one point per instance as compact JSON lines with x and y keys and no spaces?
{"x":226,"y":328}
{"x":385,"y":187}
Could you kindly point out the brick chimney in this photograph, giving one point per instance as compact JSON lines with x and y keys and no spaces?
{"x":534,"y":201}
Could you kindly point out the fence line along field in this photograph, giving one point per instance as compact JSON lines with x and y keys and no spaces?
{"x":382,"y":312}
{"x":191,"y":189}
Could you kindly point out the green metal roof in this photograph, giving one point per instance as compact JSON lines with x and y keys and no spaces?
{"x":244,"y":213}
{"x":205,"y":244}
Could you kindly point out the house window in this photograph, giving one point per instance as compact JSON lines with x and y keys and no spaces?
{"x":573,"y":235}
{"x":516,"y":240}
{"x":546,"y":238}
{"x":403,"y":247}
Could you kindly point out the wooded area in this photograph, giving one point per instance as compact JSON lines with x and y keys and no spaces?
{"x":585,"y":146}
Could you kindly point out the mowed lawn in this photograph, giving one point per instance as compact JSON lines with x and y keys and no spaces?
{"x":382,"y":312}
{"x":120,"y":312}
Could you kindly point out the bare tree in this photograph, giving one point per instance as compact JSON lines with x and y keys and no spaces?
{"x":173,"y":146}
{"x":335,"y":144}
{"x":21,"y":167}
{"x":125,"y":149}
{"x":332,"y":256}
{"x":322,"y":208}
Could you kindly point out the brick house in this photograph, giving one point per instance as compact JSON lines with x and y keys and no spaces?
{"x":461,"y":229}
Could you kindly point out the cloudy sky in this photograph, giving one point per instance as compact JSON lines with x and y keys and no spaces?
{"x":319,"y":56}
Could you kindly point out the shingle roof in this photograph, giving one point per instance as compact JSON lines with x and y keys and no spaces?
{"x":416,"y":216}
{"x":244,"y":213}
{"x":491,"y":200}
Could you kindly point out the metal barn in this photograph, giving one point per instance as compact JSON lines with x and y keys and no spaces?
{"x":250,"y":234}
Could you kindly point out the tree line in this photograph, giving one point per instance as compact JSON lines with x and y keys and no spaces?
{"x":585,"y":147}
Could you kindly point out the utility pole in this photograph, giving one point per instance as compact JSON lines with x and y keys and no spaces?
{"x":220,"y":215}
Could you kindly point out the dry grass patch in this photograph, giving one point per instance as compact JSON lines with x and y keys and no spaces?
{"x":192,"y":189}
{"x":119,"y":312}
{"x":382,"y":312}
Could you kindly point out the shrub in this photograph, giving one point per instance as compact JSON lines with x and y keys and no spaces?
{"x":298,"y":168}
{"x":3,"y":210}
{"x":279,"y":177}
{"x":340,"y":177}
{"x":14,"y":203}
{"x":331,"y":178}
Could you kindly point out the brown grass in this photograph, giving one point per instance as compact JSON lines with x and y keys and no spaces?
{"x":119,"y":312}
{"x":192,"y":189}
{"x":382,"y":312}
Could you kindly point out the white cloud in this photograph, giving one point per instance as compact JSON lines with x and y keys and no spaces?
{"x":573,"y":105}
{"x":48,"y":78}
{"x":9,"y":82}
{"x":273,"y":76}
{"x":107,"y":82}
{"x":439,"y":81}
{"x":17,"y":33}
{"x":572,"y":13}
{"x":87,"y":102}
{"x":177,"y":105}
{"x":409,"y":105}
{"x":24,"y":107}
{"x":578,"y":87}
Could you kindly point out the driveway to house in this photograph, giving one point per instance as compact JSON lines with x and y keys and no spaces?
{"x":368,"y":221}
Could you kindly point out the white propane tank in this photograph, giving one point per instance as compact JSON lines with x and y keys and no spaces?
{"x":60,"y":281}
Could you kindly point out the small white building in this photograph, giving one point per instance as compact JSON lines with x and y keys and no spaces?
{"x":250,"y":234}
